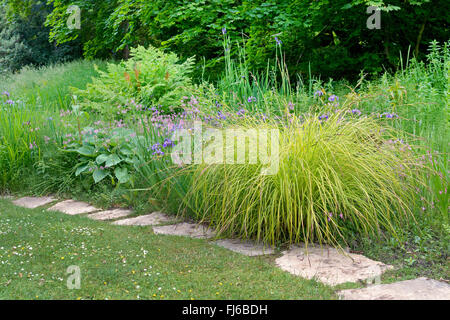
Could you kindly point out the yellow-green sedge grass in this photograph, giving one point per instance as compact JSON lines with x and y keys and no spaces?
{"x":336,"y":177}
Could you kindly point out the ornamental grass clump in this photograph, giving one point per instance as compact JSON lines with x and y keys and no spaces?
{"x":338,"y":176}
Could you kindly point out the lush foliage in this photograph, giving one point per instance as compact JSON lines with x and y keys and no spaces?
{"x":319,"y":36}
{"x":30,"y":117}
{"x":24,"y":40}
{"x":150,"y":77}
{"x":19,"y":139}
{"x":49,"y":87}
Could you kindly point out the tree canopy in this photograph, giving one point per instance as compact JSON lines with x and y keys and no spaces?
{"x":329,"y":37}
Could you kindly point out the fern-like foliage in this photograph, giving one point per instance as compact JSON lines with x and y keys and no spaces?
{"x":151,"y":77}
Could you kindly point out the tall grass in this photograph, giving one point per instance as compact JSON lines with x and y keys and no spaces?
{"x":48,"y":88}
{"x":30,"y":124}
{"x":20,"y":141}
{"x":418,"y":97}
{"x":335,"y":177}
{"x":268,"y":92}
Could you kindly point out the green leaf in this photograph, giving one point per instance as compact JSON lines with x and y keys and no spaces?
{"x":99,"y":175}
{"x":112,"y":160}
{"x":87,"y":151}
{"x":101,"y":158}
{"x":126,"y":151}
{"x":81,"y":169}
{"x":122,"y":175}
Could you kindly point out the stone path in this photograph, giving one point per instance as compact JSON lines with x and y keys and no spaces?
{"x":329,"y":266}
{"x":186,"y":229}
{"x":248,"y":248}
{"x":110,"y":214}
{"x":324,"y":264}
{"x":33,"y":202}
{"x":73,"y":207}
{"x":417,"y":289}
{"x":152,"y":219}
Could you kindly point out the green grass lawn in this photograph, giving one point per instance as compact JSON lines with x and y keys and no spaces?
{"x":122,"y":262}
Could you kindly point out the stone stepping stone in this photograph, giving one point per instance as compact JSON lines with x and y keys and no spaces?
{"x":33,"y":202}
{"x":329,"y":265}
{"x":73,"y":207}
{"x":152,"y":219}
{"x":186,"y":229}
{"x":246,"y":247}
{"x":110,"y":214}
{"x":416,"y":289}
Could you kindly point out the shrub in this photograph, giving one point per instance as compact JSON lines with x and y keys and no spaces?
{"x":151,"y":77}
{"x":106,"y":154}
{"x":24,"y":38}
{"x":337,"y":176}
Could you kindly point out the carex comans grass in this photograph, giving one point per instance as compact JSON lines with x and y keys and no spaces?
{"x":338,"y":176}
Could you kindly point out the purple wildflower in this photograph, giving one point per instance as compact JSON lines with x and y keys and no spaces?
{"x":278,"y":41}
{"x":388,"y":115}
{"x":156,"y":146}
{"x":358,"y":112}
{"x":318,"y":93}
{"x":158,"y":152}
{"x":333,"y":98}
{"x":224,"y":30}
{"x":220,"y":115}
{"x":33,"y":145}
{"x":6,"y":93}
{"x":251,"y":99}
{"x":330,"y":215}
{"x":168,"y":143}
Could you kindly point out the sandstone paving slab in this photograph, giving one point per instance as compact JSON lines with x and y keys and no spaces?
{"x":110,"y":214}
{"x":33,"y":202}
{"x":246,"y":247}
{"x":329,"y":265}
{"x":186,"y":229}
{"x":416,"y":289}
{"x":73,"y":207}
{"x":152,"y":219}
